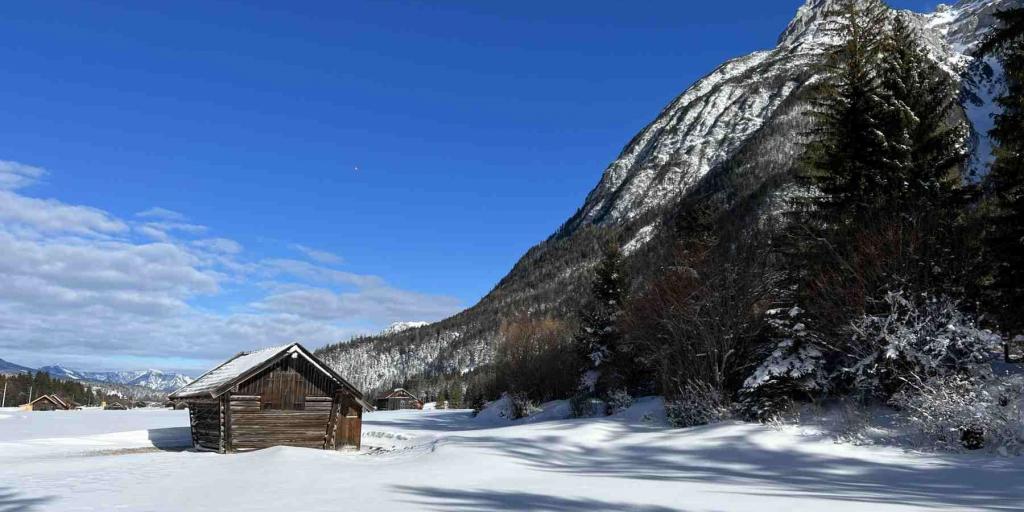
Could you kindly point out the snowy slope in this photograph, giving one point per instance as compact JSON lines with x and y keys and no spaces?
{"x":740,"y":124}
{"x":447,"y":460}
{"x":8,"y":368}
{"x":398,"y":327}
{"x":706,"y":124}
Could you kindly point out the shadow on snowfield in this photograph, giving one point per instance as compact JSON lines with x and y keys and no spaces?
{"x":10,"y":501}
{"x":173,"y":439}
{"x":486,"y":501}
{"x":934,"y":481}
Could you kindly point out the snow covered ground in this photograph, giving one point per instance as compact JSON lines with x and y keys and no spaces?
{"x":447,"y":460}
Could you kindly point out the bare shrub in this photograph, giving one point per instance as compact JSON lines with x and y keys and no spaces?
{"x":536,"y":357}
{"x":958,"y":412}
{"x":697,"y":403}
{"x":701,"y":320}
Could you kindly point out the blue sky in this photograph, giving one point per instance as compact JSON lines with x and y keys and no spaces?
{"x":369,"y":161}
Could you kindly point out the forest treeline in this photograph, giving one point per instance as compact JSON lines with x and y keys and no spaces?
{"x":23,"y":387}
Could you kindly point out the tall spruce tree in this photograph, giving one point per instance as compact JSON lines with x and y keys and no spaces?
{"x":845,"y":160}
{"x":842,"y":167}
{"x":1006,"y":180}
{"x":598,"y":340}
{"x":924,"y":149}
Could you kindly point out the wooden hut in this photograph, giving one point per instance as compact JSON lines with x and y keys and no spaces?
{"x":117,"y":405}
{"x":72,"y":405}
{"x":271,"y":397}
{"x":398,"y":400}
{"x":48,"y":403}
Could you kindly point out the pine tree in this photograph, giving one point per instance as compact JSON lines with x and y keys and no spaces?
{"x":924,"y":149}
{"x":598,"y":339}
{"x":843,"y":166}
{"x":846,"y":159}
{"x":1006,"y":180}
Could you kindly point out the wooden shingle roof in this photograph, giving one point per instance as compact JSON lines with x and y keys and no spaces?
{"x":221,"y":379}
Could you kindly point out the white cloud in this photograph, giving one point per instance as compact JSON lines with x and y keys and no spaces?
{"x":315,"y":273}
{"x":80,"y":284}
{"x":218,"y":245}
{"x":378,"y":304}
{"x":157,"y":212}
{"x":14,"y":175}
{"x":52,"y":216}
{"x":319,"y":256}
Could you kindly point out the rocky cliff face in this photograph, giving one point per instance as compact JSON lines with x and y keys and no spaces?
{"x":737,"y":127}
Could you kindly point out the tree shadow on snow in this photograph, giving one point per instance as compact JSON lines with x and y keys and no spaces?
{"x":486,"y":501}
{"x":10,"y":501}
{"x":959,"y":481}
{"x":426,"y":421}
{"x":173,"y":439}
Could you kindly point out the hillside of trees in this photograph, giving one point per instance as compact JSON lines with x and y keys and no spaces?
{"x":875,"y":269}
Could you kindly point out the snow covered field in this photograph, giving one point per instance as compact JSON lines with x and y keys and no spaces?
{"x":447,"y":460}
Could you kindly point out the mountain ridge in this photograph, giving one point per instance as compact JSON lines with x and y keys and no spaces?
{"x":730,"y":138}
{"x":155,"y":380}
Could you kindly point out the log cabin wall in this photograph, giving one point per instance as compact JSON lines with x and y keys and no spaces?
{"x":288,"y":404}
{"x":206,"y":425}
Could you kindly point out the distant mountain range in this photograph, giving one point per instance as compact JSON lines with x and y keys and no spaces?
{"x":152,"y":379}
{"x":8,"y":368}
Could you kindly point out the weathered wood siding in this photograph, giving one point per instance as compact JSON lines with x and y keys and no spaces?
{"x":349,"y":424}
{"x":206,"y":425}
{"x":253,"y":428}
{"x":285,"y":385}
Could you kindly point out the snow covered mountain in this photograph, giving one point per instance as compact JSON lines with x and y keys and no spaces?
{"x":398,"y":327}
{"x":9,"y":368}
{"x":708,"y":123}
{"x":151,"y":379}
{"x":732,"y":135}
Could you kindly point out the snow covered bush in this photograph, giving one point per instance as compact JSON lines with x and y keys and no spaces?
{"x":697,"y":403}
{"x":585,"y":405}
{"x":520,"y":405}
{"x":915,"y":340}
{"x":959,"y":412}
{"x":619,"y":400}
{"x":794,"y":368}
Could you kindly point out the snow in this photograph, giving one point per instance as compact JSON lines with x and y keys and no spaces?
{"x":643,"y":235}
{"x":448,"y":460}
{"x":398,"y":327}
{"x":214,"y":379}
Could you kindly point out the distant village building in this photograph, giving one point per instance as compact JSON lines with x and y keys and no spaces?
{"x":271,"y":397}
{"x":117,"y":405}
{"x":50,"y":403}
{"x":398,"y":400}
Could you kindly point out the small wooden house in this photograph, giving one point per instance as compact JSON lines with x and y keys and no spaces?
{"x":398,"y":400}
{"x":117,"y":405}
{"x":48,"y":403}
{"x":272,"y":397}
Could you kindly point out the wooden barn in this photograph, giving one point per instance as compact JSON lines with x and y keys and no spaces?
{"x":398,"y":400}
{"x":117,"y":405}
{"x":280,"y":396}
{"x":48,"y":403}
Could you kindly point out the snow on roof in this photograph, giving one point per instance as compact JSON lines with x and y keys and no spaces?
{"x":400,"y":391}
{"x":235,"y":367}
